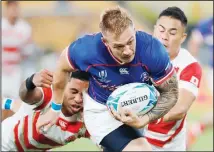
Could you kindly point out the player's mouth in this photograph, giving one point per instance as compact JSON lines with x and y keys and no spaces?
{"x":165,"y":45}
{"x":76,"y":108}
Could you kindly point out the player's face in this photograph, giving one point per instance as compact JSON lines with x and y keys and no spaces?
{"x":13,"y":11}
{"x":122,"y":46}
{"x":73,"y":100}
{"x":171,"y":33}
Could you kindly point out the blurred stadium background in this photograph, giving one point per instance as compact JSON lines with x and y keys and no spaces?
{"x":55,"y":24}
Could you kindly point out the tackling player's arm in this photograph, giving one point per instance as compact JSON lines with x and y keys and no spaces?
{"x":30,"y":91}
{"x":60,"y":78}
{"x":188,"y":89}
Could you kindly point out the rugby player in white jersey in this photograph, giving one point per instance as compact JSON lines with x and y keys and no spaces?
{"x":16,"y":45}
{"x":19,"y":131}
{"x":169,"y":132}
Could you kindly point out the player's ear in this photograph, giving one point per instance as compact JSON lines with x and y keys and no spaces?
{"x":184,"y":37}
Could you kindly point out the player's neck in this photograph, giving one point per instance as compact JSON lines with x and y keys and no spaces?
{"x":174,"y":55}
{"x":66,"y":113}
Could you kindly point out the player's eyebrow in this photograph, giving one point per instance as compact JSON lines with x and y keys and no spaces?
{"x":73,"y":89}
{"x":119,"y":44}
{"x":171,"y":29}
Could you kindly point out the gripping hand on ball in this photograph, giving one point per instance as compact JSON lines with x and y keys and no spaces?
{"x":128,"y":117}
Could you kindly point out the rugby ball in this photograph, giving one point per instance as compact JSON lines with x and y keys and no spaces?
{"x":139,"y":97}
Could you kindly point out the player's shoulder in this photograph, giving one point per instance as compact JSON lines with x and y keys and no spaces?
{"x":184,"y":59}
{"x":88,"y":40}
{"x":143,"y":37}
{"x":88,"y":45}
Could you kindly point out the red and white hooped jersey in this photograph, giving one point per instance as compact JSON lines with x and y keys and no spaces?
{"x":189,"y":74}
{"x":66,"y":130}
{"x":14,"y":40}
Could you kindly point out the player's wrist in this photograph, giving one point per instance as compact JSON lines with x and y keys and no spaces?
{"x":143,"y":121}
{"x":7,"y":104}
{"x":29,"y":83}
{"x":56,"y":107}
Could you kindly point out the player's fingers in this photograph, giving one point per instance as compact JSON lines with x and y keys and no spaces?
{"x":120,"y":109}
{"x":128,"y":112}
{"x":47,"y":127}
{"x":49,"y":73}
{"x":46,"y":82}
{"x":46,"y":85}
{"x":47,"y":77}
{"x":40,"y":126}
{"x":115,"y":114}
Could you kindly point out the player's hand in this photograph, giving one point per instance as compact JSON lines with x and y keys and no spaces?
{"x":47,"y":120}
{"x":44,"y":78}
{"x":129,"y":118}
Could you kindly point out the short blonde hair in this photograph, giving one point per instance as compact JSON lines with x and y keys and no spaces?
{"x":115,"y":20}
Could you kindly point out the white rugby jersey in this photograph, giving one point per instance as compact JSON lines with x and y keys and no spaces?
{"x":189,"y":74}
{"x":66,"y":130}
{"x":15,"y":39}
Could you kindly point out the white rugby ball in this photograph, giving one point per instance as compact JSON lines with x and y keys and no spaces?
{"x":139,"y":97}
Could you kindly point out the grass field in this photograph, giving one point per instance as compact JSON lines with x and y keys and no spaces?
{"x":204,"y":143}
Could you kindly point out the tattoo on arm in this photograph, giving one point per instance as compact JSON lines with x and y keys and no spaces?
{"x":168,"y":98}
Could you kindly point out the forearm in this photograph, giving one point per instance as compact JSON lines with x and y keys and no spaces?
{"x":168,"y":98}
{"x":174,"y":114}
{"x":29,"y":96}
{"x":59,"y":83}
{"x":185,"y":100}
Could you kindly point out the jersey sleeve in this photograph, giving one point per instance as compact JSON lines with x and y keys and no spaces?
{"x":71,"y":55}
{"x":190,"y":78}
{"x":47,"y":96}
{"x":157,"y":61}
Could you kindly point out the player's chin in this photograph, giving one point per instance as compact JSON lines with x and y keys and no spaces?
{"x":128,"y":59}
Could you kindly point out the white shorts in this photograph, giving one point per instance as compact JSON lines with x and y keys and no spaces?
{"x":176,"y":144}
{"x":98,"y":120}
{"x":7,"y":136}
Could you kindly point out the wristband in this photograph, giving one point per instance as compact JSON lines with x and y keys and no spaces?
{"x":56,"y":107}
{"x":7,"y":105}
{"x":29,"y":83}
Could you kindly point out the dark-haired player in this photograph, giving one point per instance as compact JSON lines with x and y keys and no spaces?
{"x":169,"y":132}
{"x":19,"y":131}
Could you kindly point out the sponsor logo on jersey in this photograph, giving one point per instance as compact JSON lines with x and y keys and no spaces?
{"x":62,"y":124}
{"x":124,"y":71}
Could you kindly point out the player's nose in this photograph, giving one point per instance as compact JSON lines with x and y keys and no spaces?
{"x":127,"y":51}
{"x":165,"y":36}
{"x":79,"y":98}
